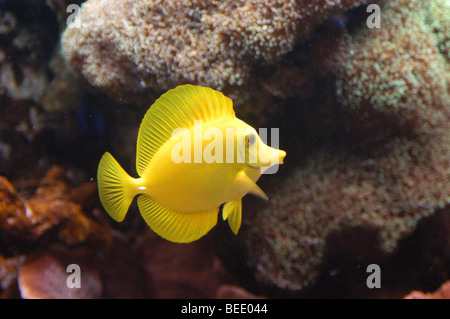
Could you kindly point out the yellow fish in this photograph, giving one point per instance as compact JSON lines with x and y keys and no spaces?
{"x":193,"y":155}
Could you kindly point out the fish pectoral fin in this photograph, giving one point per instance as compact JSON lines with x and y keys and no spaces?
{"x":176,"y":226}
{"x":233,"y":212}
{"x":245,"y":184}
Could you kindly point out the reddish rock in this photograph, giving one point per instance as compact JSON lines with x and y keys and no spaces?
{"x":182,"y":270}
{"x":442,"y":293}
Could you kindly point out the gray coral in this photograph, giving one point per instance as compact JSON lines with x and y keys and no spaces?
{"x":364,"y":192}
{"x":130,"y":46}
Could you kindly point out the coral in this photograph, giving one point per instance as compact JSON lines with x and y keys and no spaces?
{"x":113,"y":273}
{"x":377,"y":198}
{"x":51,"y":210}
{"x":442,"y":293}
{"x":437,"y":19}
{"x":388,"y":78}
{"x":50,"y":230}
{"x":387,"y":169}
{"x":44,"y":276}
{"x":133,"y":46}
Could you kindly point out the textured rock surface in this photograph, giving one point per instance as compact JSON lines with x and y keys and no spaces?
{"x":182,"y":271}
{"x":395,"y":79}
{"x":52,"y":209}
{"x":389,"y":168}
{"x":113,"y":271}
{"x":133,"y":46}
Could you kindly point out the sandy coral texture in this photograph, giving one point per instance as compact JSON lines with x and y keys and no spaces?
{"x":129,"y":46}
{"x":391,"y":171}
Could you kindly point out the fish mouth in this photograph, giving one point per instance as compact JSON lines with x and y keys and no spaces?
{"x":278,"y":159}
{"x":281,"y":156}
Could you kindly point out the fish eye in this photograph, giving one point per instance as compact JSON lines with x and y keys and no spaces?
{"x":250,"y":140}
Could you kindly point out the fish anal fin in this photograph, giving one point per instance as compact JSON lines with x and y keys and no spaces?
{"x":179,"y":227}
{"x":243,"y":184}
{"x":233,"y":212}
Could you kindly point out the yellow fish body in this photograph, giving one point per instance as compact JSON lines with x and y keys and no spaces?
{"x":193,"y":155}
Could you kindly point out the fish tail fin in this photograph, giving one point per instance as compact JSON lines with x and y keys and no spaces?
{"x":116,"y":188}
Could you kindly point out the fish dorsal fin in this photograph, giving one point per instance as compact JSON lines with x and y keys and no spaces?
{"x":178,"y":108}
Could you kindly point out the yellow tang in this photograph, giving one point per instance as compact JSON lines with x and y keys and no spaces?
{"x":193,"y":155}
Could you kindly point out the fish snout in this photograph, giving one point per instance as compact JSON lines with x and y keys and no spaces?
{"x":281,"y":156}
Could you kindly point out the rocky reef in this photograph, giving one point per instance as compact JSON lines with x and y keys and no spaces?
{"x":61,"y":225}
{"x":234,"y":46}
{"x":363,"y":113}
{"x":367,"y":189}
{"x":139,"y":45}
